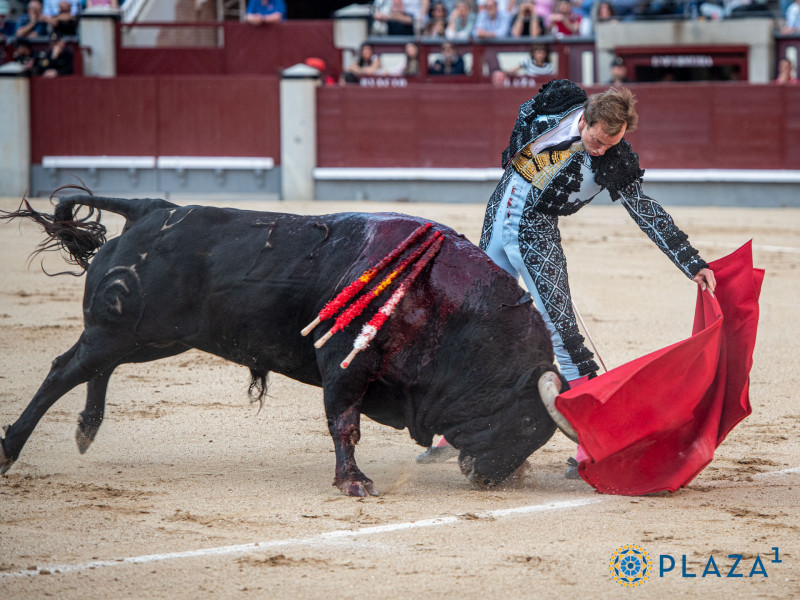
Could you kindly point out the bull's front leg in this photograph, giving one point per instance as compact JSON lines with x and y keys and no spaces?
{"x":344,"y":424}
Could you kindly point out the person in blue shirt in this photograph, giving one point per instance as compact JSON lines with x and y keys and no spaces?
{"x":265,"y":11}
{"x":32,"y":23}
{"x":450,"y":62}
{"x":6,"y":27}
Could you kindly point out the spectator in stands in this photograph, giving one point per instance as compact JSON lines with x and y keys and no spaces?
{"x":419,"y":10}
{"x":461,"y":22}
{"x":605,"y":13}
{"x":544,"y":8}
{"x":507,"y":7}
{"x":57,"y":61}
{"x":527,"y":23}
{"x":107,"y":3}
{"x":784,"y":6}
{"x":491,"y":23}
{"x":32,"y":23}
{"x":785,"y":73}
{"x":51,"y":8}
{"x":260,"y":12}
{"x":655,"y":8}
{"x":65,"y":22}
{"x":564,"y":21}
{"x":627,"y":9}
{"x":792,"y":24}
{"x":538,"y":63}
{"x":619,"y":72}
{"x":6,"y":27}
{"x":500,"y":79}
{"x":411,"y":62}
{"x":368,"y":63}
{"x":398,"y":20}
{"x":381,"y":9}
{"x":719,"y":9}
{"x":449,"y":63}
{"x":602,"y":12}
{"x":24,"y":54}
{"x":436,"y":25}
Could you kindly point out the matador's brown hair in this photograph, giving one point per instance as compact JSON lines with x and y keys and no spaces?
{"x":615,"y":107}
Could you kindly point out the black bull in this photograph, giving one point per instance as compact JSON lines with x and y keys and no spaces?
{"x":461,"y":356}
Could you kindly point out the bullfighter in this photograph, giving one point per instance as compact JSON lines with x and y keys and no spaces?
{"x":564,"y":150}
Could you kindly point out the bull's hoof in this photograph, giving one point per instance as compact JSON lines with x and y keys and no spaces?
{"x":5,"y":462}
{"x":83,"y":440}
{"x":467,"y":464}
{"x":359,"y":488}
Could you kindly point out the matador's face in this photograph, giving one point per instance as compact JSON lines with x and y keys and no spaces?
{"x":595,"y":139}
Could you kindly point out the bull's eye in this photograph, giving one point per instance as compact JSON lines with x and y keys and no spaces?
{"x":527,"y":421}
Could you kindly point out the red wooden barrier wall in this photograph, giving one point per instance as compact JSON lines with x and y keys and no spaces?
{"x":692,"y":126}
{"x":246,"y":50}
{"x":701,"y":126}
{"x":153,"y":116}
{"x":87,"y":116}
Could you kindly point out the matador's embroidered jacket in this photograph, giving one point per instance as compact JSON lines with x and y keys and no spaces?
{"x":568,"y":181}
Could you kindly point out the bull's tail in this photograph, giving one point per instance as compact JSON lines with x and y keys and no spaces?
{"x":78,"y":238}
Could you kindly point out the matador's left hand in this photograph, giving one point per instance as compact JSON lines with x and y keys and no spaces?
{"x":705,"y":279}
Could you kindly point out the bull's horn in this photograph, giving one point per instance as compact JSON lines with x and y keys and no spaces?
{"x":549,"y":387}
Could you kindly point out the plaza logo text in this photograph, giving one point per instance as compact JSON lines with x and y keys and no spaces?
{"x":631,"y":565}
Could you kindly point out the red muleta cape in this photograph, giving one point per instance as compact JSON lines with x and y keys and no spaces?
{"x":653,"y":424}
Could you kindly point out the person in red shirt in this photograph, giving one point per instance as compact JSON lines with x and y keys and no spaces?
{"x":785,"y":75}
{"x":564,"y":21}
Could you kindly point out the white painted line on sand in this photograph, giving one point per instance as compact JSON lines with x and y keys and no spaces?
{"x":331,"y":535}
{"x":775,"y":473}
{"x":316,"y":539}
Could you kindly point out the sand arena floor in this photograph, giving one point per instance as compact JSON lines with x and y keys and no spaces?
{"x":188,"y":492}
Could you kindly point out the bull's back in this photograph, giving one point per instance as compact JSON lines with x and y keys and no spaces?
{"x":239,"y":284}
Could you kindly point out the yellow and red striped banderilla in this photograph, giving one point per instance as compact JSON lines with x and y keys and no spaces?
{"x":355,"y":309}
{"x":343,"y":297}
{"x":369,"y":330}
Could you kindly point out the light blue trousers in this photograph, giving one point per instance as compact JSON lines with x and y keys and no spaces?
{"x":504,"y":250}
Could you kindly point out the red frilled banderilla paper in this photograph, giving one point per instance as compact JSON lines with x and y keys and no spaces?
{"x":653,"y":424}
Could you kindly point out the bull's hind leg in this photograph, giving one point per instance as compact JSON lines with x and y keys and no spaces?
{"x":91,"y":417}
{"x":344,"y":423}
{"x":92,"y":354}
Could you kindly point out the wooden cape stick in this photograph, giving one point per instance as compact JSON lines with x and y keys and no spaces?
{"x":343,"y":297}
{"x":369,"y":330}
{"x":588,"y":335}
{"x":355,"y":309}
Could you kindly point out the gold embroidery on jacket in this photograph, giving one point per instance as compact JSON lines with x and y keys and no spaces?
{"x":540,"y":169}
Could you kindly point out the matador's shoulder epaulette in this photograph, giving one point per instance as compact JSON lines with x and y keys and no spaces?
{"x":557,"y":96}
{"x":617,"y":168}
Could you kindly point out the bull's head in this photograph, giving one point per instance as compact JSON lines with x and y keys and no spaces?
{"x":490,"y":456}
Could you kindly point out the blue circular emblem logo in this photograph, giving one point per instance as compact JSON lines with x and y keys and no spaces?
{"x":630,"y":565}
